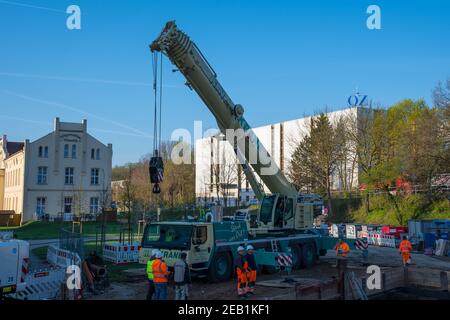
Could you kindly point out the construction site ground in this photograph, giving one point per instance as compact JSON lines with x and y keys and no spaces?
{"x":271,"y":287}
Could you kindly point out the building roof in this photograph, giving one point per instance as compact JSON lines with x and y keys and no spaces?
{"x":14,"y":147}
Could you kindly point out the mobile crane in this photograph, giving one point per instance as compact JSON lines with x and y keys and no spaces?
{"x":285,"y":218}
{"x":280,"y":210}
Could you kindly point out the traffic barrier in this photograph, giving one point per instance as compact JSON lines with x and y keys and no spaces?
{"x":363,"y":234}
{"x":381,"y":240}
{"x":62,"y":258}
{"x":120,"y":253}
{"x":42,"y":284}
{"x":284,"y":260}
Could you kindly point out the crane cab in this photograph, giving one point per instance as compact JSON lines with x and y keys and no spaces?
{"x":280,"y":212}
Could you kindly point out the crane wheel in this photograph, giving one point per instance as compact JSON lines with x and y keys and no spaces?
{"x":309,"y":255}
{"x":220,"y":268}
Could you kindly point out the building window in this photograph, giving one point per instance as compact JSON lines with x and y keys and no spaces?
{"x":66,"y":151}
{"x":74,"y":151}
{"x":68,"y":204}
{"x":95,"y":154}
{"x":94,"y":206}
{"x":94,"y":176}
{"x":45,"y":152}
{"x":40,"y":153}
{"x":40,"y":206}
{"x":200,"y":235}
{"x":42,"y":175}
{"x":68,"y":178}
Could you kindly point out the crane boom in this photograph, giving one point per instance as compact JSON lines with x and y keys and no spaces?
{"x":203,"y":79}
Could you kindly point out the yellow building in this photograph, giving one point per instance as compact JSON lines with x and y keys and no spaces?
{"x":65,"y":173}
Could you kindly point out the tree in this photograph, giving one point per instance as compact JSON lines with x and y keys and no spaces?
{"x":314,"y":159}
{"x":128,"y":197}
{"x":225,"y":172}
{"x":441,"y":96}
{"x":177,"y":188}
{"x":346,"y":156}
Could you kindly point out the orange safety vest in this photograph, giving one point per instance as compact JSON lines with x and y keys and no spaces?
{"x":160,"y":274}
{"x":405,"y":246}
{"x":342,"y":247}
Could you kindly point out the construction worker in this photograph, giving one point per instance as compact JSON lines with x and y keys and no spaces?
{"x":151,"y":285}
{"x":405,"y":250}
{"x":342,"y":249}
{"x":252,"y":267}
{"x":160,"y":277}
{"x":241,"y":266}
{"x":182,"y":277}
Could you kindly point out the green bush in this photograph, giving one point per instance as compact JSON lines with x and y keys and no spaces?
{"x":383,"y":211}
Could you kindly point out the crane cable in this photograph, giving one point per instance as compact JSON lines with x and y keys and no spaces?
{"x":157,"y":124}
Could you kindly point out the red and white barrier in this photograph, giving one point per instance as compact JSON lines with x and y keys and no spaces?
{"x":62,"y":258}
{"x":377,"y":239}
{"x":363,"y":234}
{"x":42,"y":284}
{"x":284,"y":260}
{"x":120,"y":253}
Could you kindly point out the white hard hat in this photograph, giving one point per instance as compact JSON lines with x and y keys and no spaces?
{"x":250,"y":247}
{"x":240,"y":248}
{"x":159,"y":255}
{"x":154,"y":252}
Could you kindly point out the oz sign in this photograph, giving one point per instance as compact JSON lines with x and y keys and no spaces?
{"x":357,"y":100}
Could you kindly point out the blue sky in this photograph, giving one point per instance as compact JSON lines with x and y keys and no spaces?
{"x":279,"y":59}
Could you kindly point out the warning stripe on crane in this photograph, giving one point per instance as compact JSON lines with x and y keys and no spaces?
{"x":25,"y":269}
{"x":284,"y":260}
{"x":362,"y":244}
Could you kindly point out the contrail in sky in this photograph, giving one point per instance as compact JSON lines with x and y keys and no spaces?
{"x":100,"y":81}
{"x":20,"y":4}
{"x":67,"y":107}
{"x":4,"y":116}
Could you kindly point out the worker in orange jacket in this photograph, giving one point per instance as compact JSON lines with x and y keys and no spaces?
{"x":252,"y":269}
{"x":160,"y":277}
{"x":342,"y":249}
{"x":405,"y":250}
{"x":241,"y":266}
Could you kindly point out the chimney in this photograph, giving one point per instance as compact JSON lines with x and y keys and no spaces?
{"x":84,"y":125}
{"x":56,"y":124}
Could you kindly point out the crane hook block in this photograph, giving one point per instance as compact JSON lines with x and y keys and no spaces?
{"x":156,"y":170}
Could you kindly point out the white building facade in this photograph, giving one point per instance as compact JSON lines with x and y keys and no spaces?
{"x":63,"y":174}
{"x":280,"y":140}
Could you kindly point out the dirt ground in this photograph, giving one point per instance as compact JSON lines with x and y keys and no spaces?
{"x":135,"y":287}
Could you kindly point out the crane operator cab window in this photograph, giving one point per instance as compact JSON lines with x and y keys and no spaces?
{"x":265,"y":213}
{"x":279,"y":213}
{"x":284,"y":212}
{"x":288,"y":210}
{"x":200,"y":235}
